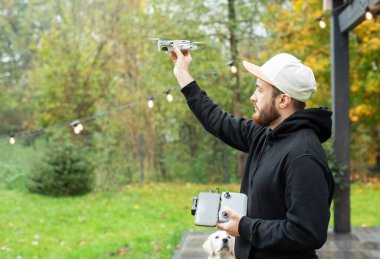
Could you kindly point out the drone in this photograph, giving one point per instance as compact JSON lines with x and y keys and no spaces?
{"x":167,"y":45}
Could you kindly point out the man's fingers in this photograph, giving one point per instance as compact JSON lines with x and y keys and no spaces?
{"x":177,"y":51}
{"x":221,"y":226}
{"x":173,"y":56}
{"x":229,"y":211}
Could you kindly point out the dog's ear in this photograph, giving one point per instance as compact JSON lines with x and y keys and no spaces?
{"x":207,"y":246}
{"x":232,"y":248}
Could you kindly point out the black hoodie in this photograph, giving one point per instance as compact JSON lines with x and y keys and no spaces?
{"x":287,"y":179}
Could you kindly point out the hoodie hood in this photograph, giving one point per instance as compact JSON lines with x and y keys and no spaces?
{"x":317,"y":119}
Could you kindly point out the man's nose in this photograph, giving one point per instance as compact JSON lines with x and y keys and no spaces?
{"x":253,"y":97}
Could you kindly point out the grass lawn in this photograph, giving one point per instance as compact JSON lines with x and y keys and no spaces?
{"x":139,"y":221}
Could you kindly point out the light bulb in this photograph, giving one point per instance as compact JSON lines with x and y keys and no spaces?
{"x":77,"y":130}
{"x":233,"y":69}
{"x":12,"y":140}
{"x":79,"y":127}
{"x":322,"y":24}
{"x":169,"y":97}
{"x":368,"y":15}
{"x":150,"y":103}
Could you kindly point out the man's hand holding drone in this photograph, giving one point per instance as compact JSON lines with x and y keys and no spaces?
{"x":182,"y":61}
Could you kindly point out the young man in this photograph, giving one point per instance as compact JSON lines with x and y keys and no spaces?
{"x":287,"y":179}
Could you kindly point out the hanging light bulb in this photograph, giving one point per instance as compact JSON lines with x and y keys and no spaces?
{"x":322,"y":23}
{"x":232,"y":66}
{"x":76,"y":130}
{"x":169,"y":96}
{"x":233,"y":69}
{"x":77,"y":126}
{"x":368,"y":15}
{"x":12,"y":139}
{"x":150,"y":102}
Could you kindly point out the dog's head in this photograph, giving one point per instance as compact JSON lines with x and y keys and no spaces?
{"x":219,"y":243}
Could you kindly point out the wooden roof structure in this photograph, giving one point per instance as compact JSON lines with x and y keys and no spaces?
{"x":346,"y":15}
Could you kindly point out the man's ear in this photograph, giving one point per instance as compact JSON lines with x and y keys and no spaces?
{"x":284,"y":101}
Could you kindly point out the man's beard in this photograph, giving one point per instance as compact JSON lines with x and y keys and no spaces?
{"x":266,"y":115}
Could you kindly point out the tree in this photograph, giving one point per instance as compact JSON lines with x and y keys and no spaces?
{"x":65,"y":171}
{"x":20,"y":24}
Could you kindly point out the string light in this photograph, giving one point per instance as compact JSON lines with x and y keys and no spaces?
{"x":150,"y":102}
{"x":232,"y":66}
{"x":321,"y":22}
{"x":169,"y":96}
{"x":12,"y":139}
{"x":368,"y":14}
{"x":77,"y":126}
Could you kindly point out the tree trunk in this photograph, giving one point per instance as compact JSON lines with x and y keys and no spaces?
{"x":235,"y":87}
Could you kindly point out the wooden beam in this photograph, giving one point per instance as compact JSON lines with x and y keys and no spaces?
{"x":345,"y":16}
{"x":354,"y":13}
{"x":340,"y":89}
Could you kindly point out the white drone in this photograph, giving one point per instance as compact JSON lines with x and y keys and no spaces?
{"x":167,"y":45}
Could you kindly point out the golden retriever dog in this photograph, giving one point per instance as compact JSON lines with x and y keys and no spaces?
{"x":220,"y":245}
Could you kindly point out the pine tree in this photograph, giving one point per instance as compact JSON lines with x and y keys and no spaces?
{"x":64,"y":171}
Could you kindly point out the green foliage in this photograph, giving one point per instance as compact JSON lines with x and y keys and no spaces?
{"x":138,"y":221}
{"x":18,"y":160}
{"x":9,"y":178}
{"x":114,"y":164}
{"x":63,"y":171}
{"x":63,"y":60}
{"x":336,"y":168}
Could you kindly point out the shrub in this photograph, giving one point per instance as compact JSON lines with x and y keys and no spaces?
{"x":64,"y":171}
{"x":336,"y":168}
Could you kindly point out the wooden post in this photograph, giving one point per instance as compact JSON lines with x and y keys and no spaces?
{"x":341,"y":125}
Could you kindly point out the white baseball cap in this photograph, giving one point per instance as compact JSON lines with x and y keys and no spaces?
{"x":288,"y":74}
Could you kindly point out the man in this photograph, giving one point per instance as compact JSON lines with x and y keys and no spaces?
{"x":287,"y":179}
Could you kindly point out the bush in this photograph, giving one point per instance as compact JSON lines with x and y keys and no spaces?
{"x":337,"y":169}
{"x":11,"y":177}
{"x":64,"y":171}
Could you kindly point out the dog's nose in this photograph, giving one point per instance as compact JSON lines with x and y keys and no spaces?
{"x":225,"y":240}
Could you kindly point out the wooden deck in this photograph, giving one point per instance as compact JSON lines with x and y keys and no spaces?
{"x":361,"y":243}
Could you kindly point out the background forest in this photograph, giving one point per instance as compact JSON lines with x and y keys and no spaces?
{"x":92,"y":60}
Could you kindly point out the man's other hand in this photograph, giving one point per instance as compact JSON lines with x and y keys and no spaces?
{"x":232,"y":226}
